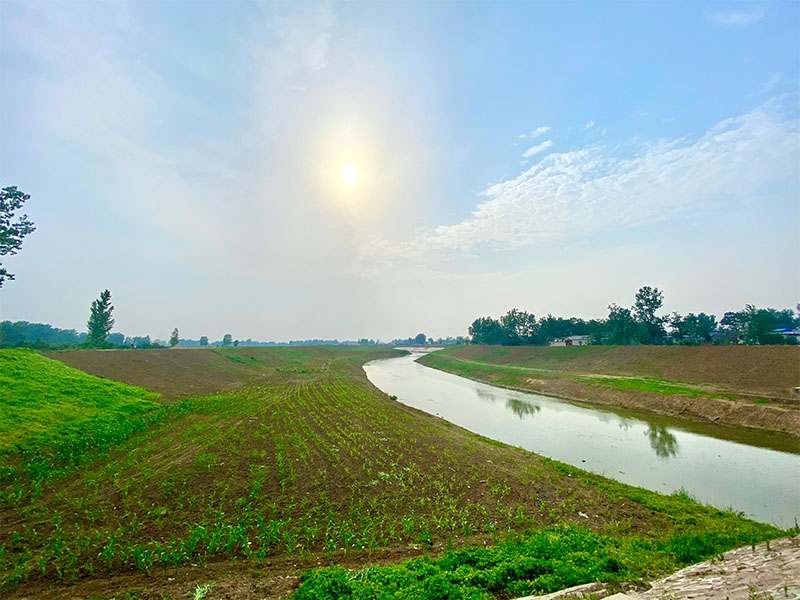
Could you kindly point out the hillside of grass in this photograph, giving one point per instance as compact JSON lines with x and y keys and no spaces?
{"x":306,"y":465}
{"x":42,"y":398}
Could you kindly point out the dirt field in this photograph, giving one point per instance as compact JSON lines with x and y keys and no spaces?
{"x":188,"y":372}
{"x":770,"y":370}
{"x":749,"y":386}
{"x":305,"y":464}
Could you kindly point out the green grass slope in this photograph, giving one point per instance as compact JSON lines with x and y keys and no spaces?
{"x":40,"y":397}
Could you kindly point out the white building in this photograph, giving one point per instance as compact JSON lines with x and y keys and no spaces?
{"x":573,"y":340}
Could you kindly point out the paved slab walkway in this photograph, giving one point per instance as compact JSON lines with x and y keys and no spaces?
{"x":768,"y":571}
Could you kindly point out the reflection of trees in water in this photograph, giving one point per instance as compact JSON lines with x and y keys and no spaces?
{"x":662,"y":441}
{"x":626,"y":423}
{"x":522,"y":408}
{"x":485,"y":394}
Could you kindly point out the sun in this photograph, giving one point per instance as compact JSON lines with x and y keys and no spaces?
{"x":348,"y":173}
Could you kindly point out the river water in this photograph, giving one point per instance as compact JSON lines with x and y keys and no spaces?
{"x":661,"y":454}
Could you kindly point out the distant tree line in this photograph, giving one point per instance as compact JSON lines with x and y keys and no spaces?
{"x":641,"y":324}
{"x":46,"y":337}
{"x":421,"y":340}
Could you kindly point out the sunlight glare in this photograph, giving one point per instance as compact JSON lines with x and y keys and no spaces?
{"x":348,"y":173}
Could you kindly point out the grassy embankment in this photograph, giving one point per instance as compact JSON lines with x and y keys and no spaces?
{"x":743,"y":386}
{"x":305,"y":464}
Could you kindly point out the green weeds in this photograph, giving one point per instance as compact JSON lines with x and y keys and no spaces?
{"x":314,"y":462}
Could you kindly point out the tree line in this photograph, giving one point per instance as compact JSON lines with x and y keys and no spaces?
{"x":641,"y":324}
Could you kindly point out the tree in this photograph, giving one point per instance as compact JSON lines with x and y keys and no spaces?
{"x":227,"y":339}
{"x":204,"y":340}
{"x":100,"y":321}
{"x":485,"y":330}
{"x":648,"y":301}
{"x":519,"y":327}
{"x":174,"y":338}
{"x":761,"y":326}
{"x":692,"y":329}
{"x":734,"y":326}
{"x":11,"y":234}
{"x":622,"y":325}
{"x":420,"y":339}
{"x":235,"y":343}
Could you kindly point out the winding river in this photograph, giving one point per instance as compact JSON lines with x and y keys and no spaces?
{"x":757,"y":474}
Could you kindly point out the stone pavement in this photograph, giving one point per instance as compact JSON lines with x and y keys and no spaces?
{"x":770,"y":571}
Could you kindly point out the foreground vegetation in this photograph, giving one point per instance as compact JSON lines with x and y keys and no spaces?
{"x":307,"y":460}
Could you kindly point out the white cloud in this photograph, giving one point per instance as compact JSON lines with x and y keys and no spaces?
{"x":535,"y":133}
{"x":537,"y":148}
{"x":590,"y":124}
{"x":736,"y":18}
{"x":770,"y":84}
{"x":587,"y":191}
{"x":540,"y":131}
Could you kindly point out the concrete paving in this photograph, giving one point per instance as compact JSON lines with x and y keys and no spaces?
{"x":768,"y":571}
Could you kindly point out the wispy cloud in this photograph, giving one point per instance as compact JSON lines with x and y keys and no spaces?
{"x":590,"y":124}
{"x":736,"y":18}
{"x":303,"y":38}
{"x":591,"y":190}
{"x":535,"y":133}
{"x":537,"y":149}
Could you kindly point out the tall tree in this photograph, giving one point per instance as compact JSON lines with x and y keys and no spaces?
{"x":761,"y":325}
{"x":174,"y":338}
{"x":100,"y":321}
{"x":648,"y":301}
{"x":204,"y":340}
{"x":11,"y":234}
{"x":519,"y":327}
{"x":693,"y":329}
{"x":485,"y":330}
{"x":420,"y":339}
{"x":622,"y":325}
{"x":227,"y":339}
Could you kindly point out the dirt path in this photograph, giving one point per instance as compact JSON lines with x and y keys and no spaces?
{"x":768,"y":571}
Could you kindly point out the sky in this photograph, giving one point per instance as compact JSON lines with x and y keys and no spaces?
{"x":548,"y":156}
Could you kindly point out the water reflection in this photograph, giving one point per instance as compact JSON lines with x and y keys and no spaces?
{"x":522,"y":408}
{"x":662,"y":441}
{"x":654,"y":452}
{"x":626,"y":423}
{"x":485,"y":394}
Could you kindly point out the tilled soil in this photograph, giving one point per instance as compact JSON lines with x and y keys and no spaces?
{"x":770,"y":370}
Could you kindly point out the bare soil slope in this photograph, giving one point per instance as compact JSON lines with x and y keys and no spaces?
{"x":750,"y":386}
{"x":186,"y":372}
{"x":771,"y":370}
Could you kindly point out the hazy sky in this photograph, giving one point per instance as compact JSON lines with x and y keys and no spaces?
{"x":548,"y":156}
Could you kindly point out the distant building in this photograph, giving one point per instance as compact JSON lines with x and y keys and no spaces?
{"x":789,"y":334}
{"x":573,"y":340}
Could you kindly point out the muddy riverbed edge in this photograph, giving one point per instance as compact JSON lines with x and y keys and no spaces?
{"x":772,"y":419}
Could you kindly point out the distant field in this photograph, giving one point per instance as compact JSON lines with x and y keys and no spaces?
{"x":301,"y":463}
{"x":749,"y":386}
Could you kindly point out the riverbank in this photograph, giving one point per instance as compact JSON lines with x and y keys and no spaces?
{"x":306,"y":464}
{"x":739,"y":386}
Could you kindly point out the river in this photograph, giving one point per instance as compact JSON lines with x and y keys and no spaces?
{"x":640,"y":449}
